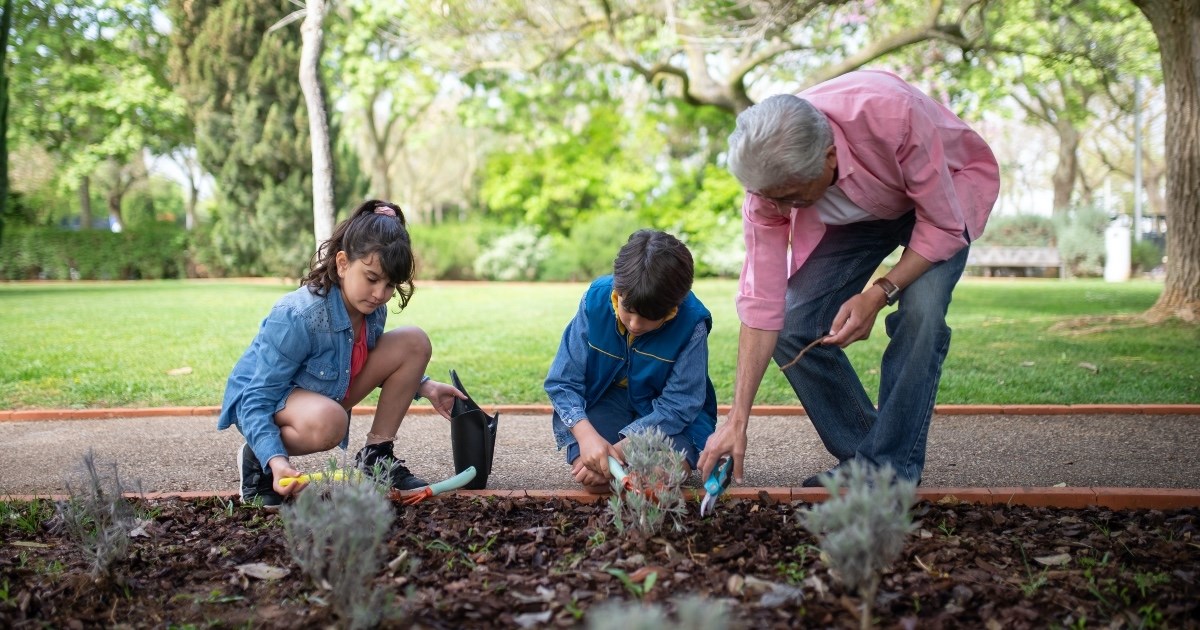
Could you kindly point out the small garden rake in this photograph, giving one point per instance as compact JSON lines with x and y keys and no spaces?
{"x":453,"y":483}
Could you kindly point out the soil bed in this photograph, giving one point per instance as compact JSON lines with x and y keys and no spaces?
{"x":476,"y":562}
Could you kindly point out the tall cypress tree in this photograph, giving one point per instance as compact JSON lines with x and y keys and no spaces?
{"x":251,"y":129}
{"x":5,"y":24}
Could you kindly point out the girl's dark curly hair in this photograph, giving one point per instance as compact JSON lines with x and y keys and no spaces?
{"x":375,"y":227}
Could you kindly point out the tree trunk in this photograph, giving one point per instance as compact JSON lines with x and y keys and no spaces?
{"x":1067,"y":170}
{"x":1176,"y":23}
{"x":189,"y":204}
{"x":318,"y":118}
{"x":115,"y":194}
{"x":85,"y":204}
{"x":381,"y":181}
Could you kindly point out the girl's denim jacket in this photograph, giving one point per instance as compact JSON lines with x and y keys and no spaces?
{"x":305,"y":341}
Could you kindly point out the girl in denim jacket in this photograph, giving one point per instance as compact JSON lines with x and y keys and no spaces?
{"x":322,"y":349}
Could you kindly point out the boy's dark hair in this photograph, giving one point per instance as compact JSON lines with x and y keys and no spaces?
{"x":375,"y":227}
{"x":652,"y":273}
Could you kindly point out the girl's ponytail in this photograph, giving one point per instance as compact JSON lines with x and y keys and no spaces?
{"x":375,"y":227}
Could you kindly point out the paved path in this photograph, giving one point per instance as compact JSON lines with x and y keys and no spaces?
{"x":187,"y":453}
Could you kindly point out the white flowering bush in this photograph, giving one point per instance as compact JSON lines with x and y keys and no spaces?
{"x":516,"y":255}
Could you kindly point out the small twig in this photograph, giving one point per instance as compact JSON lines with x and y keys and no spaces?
{"x":802,"y":353}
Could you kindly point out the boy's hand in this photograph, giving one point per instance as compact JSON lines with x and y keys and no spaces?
{"x":593,"y":454}
{"x":280,"y":468}
{"x":441,"y":396}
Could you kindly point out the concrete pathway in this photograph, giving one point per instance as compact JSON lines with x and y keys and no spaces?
{"x":182,"y":453}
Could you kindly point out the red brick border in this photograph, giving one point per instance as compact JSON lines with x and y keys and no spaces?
{"x":25,"y":415}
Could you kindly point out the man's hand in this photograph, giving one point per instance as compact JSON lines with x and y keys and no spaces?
{"x":856,"y":318}
{"x":280,"y":468}
{"x":591,"y":467}
{"x":729,"y":439}
{"x":441,"y":396}
{"x":754,"y":352}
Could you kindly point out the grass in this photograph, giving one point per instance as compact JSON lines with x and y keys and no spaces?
{"x":87,"y":345}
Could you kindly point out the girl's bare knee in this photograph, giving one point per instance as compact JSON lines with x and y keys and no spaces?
{"x":414,"y":341}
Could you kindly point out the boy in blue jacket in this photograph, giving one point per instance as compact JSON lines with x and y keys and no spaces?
{"x":635,"y":356}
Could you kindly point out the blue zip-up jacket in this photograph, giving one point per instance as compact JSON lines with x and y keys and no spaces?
{"x":667,"y":368}
{"x":305,"y":341}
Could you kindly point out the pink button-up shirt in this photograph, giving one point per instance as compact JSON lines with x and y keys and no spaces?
{"x":897,"y":150}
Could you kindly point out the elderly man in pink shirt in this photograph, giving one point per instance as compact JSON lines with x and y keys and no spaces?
{"x":836,"y":179}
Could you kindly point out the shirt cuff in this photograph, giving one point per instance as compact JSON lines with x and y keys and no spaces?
{"x":573,"y":418}
{"x":761,"y":313}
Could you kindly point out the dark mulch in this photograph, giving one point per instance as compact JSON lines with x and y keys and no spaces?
{"x":490,"y":562}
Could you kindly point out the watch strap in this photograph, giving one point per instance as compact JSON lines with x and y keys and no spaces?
{"x":891,"y":292}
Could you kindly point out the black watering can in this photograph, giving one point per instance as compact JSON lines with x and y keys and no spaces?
{"x":472,"y":436}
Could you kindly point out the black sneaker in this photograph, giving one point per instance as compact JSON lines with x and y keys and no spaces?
{"x":257,"y":485}
{"x":394,"y":470}
{"x":814,"y":481}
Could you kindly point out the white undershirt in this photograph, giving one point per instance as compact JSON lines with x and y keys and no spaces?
{"x":835,"y":208}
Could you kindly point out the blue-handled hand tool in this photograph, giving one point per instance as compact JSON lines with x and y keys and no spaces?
{"x":717,"y":482}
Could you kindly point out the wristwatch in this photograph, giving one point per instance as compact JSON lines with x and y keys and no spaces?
{"x":891,"y":292}
{"x":424,"y":379}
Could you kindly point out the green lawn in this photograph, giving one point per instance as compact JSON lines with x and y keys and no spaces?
{"x":112,"y":344}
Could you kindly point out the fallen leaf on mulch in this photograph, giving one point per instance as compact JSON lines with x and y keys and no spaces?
{"x":1056,"y":560}
{"x":262,"y":571}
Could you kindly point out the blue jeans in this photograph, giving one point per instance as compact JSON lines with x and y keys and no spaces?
{"x":612,"y":413}
{"x":847,"y":422}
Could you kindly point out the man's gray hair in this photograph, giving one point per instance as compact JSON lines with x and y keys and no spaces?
{"x":779,"y":142}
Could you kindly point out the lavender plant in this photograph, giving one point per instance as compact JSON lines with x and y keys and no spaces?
{"x":862,"y":530}
{"x":657,"y":472}
{"x":96,"y":515}
{"x":335,"y":532}
{"x":691,"y":613}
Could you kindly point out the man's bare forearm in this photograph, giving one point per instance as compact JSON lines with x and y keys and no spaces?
{"x":755,"y":347}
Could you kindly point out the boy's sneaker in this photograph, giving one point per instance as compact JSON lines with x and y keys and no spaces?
{"x":394,"y":471}
{"x":257,"y":485}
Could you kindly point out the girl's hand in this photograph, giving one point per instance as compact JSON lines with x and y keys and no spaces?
{"x":441,"y":396}
{"x":280,"y":468}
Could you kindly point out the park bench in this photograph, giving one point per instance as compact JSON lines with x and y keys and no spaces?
{"x":999,"y":260}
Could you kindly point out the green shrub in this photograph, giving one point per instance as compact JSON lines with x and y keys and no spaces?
{"x":1022,"y":230}
{"x":1145,"y":255}
{"x":1080,"y":236}
{"x":591,"y":247}
{"x":722,"y":251}
{"x":447,"y":251}
{"x":152,"y":252}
